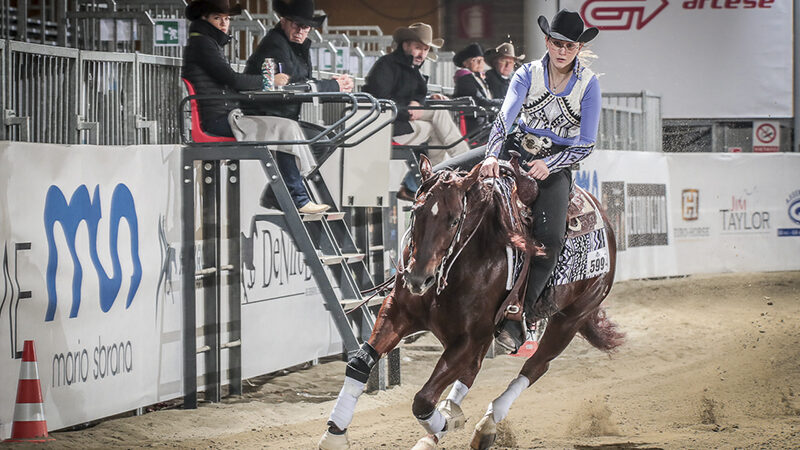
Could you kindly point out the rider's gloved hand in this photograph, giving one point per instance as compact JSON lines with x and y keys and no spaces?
{"x":490,"y":168}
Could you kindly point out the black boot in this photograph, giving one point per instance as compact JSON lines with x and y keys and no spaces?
{"x":512,"y":336}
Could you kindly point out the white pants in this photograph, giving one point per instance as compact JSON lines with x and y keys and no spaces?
{"x":435,"y":128}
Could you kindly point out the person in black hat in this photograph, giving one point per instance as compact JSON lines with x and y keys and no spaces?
{"x":550,"y":115}
{"x":474,"y":85}
{"x":209,"y":71}
{"x":206,"y":66}
{"x":503,"y":60}
{"x":289,"y":46}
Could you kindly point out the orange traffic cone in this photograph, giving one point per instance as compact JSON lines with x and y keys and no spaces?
{"x":29,"y":423}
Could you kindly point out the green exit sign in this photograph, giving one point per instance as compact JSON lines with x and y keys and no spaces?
{"x":169,"y":32}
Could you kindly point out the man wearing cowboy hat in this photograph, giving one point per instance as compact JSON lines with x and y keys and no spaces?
{"x":503,"y":60}
{"x":397,"y":77}
{"x":289,"y":46}
{"x":474,"y":85}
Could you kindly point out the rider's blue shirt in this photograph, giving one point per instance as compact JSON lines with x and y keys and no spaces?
{"x":570,"y":118}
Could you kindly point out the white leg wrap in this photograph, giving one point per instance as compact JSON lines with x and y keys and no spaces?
{"x":342,"y":413}
{"x":433,"y":424}
{"x":500,"y":406}
{"x":458,"y":392}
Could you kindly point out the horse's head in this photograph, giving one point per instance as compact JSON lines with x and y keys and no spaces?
{"x":441,"y":223}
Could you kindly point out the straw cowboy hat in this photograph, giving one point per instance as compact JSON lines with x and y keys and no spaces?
{"x":504,"y":49}
{"x":421,"y":32}
{"x":200,"y":8}
{"x":298,"y":11}
{"x":567,"y":26}
{"x":471,"y":51}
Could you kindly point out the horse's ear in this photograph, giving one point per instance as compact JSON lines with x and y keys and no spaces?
{"x":472,"y":176}
{"x":425,"y":168}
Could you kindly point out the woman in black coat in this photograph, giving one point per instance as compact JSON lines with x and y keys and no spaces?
{"x":474,"y":85}
{"x":207,"y":68}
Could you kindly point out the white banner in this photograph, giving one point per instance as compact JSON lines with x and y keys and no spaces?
{"x":706,"y":58}
{"x":89,"y":269}
{"x":677,"y":214}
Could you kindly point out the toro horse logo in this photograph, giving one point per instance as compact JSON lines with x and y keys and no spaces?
{"x":620,"y":14}
{"x":70,"y":215}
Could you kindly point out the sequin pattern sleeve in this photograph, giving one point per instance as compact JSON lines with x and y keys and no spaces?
{"x":591,"y":105}
{"x":517,"y":92}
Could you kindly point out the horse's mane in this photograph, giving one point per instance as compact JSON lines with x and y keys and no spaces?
{"x":509,"y":217}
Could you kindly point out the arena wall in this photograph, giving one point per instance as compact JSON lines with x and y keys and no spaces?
{"x":91,"y":245}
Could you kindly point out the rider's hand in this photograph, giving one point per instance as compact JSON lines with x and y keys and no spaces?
{"x":490,"y":168}
{"x":414,"y":114}
{"x":345,"y":82}
{"x":281,"y":79}
{"x":439,"y":97}
{"x":539,"y":170}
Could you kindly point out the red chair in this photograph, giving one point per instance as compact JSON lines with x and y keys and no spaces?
{"x":198,"y":135}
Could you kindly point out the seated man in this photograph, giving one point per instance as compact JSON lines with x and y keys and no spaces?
{"x":474,"y":85}
{"x":397,"y":77}
{"x":288,"y":45}
{"x":503,"y":61}
{"x":209,"y":71}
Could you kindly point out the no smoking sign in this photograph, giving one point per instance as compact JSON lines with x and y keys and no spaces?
{"x":766,"y":137}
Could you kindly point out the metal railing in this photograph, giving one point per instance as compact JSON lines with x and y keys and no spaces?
{"x":63,"y":95}
{"x":631,"y":121}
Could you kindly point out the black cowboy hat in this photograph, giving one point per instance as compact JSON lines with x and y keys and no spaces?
{"x":298,"y":11}
{"x":200,"y":8}
{"x":471,"y":51}
{"x":567,"y":26}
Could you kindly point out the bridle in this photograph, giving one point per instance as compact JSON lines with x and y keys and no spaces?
{"x":443,"y":268}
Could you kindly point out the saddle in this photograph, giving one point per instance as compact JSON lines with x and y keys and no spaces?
{"x":582,"y":218}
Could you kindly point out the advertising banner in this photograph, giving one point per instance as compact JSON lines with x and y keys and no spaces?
{"x":90,"y":274}
{"x":677,"y":214}
{"x":706,"y":58}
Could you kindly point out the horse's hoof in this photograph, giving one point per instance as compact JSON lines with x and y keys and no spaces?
{"x":452,"y":413}
{"x":485,"y":433}
{"x":426,"y":443}
{"x":332,"y":441}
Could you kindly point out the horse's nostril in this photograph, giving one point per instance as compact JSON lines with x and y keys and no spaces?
{"x":428,"y":282}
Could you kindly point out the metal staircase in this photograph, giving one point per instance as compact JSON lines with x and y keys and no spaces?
{"x":337,"y":265}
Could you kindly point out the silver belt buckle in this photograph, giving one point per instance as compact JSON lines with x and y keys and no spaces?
{"x":534,"y":144}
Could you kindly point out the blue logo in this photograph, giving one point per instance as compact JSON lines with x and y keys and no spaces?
{"x":81,"y":209}
{"x":588,"y":181}
{"x":794,"y":211}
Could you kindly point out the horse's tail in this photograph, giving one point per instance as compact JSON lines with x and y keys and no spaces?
{"x":601,"y":332}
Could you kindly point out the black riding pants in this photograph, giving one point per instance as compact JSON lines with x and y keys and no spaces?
{"x":549,"y":213}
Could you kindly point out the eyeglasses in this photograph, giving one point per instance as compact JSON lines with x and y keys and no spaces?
{"x":569,"y":46}
{"x":300,"y":26}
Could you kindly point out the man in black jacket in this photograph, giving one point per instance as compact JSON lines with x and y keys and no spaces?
{"x":503,"y":61}
{"x":474,"y":85}
{"x":397,"y":77}
{"x":288,"y":45}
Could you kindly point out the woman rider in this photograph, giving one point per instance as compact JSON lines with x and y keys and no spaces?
{"x":555,"y":104}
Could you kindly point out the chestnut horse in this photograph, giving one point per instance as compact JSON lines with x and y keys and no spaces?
{"x":453,"y":284}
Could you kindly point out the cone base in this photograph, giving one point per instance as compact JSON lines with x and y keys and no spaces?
{"x":527,"y":349}
{"x":34,"y":440}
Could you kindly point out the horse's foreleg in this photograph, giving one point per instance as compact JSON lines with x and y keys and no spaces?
{"x":389,"y":329}
{"x":453,"y":364}
{"x":557,"y":336}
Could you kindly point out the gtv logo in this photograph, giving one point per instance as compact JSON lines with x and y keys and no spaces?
{"x":81,"y":209}
{"x":621,"y":14}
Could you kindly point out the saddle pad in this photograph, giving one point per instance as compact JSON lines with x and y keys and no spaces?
{"x":583,"y":257}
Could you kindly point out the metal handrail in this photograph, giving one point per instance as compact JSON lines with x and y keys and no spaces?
{"x":270,"y":96}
